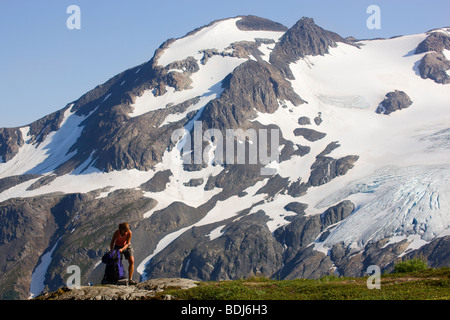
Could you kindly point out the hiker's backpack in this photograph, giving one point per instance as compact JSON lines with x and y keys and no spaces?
{"x":114,"y":268}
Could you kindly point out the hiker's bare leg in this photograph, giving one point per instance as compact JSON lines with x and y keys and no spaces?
{"x":130,"y":267}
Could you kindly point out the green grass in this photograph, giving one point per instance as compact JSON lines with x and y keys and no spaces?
{"x":410,"y":265}
{"x":429,"y":284}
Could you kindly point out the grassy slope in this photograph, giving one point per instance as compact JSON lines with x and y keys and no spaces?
{"x":430,"y":284}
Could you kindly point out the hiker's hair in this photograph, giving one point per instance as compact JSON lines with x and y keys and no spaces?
{"x":124,"y":226}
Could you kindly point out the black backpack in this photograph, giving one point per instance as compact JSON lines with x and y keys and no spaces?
{"x":114,"y":268}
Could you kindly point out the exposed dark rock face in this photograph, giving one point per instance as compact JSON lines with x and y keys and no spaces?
{"x":300,"y":260}
{"x":325,"y":169}
{"x":248,"y":23}
{"x":240,"y":49}
{"x":273,"y":186}
{"x":304,"y":38}
{"x":10,"y":141}
{"x":354,"y":264}
{"x":297,"y":207}
{"x":304,"y":121}
{"x":436,"y":252}
{"x":246,"y":248}
{"x":394,"y":101}
{"x":309,"y":134}
{"x":158,"y":182}
{"x":290,"y":150}
{"x":297,"y":188}
{"x":251,"y":86}
{"x":337,"y":213}
{"x":9,"y":182}
{"x":194,"y":182}
{"x":26,"y":229}
{"x":42,"y":182}
{"x":40,"y":129}
{"x":309,"y":264}
{"x":436,"y":41}
{"x":434,"y":66}
{"x":234,"y":179}
{"x":318,"y":120}
{"x":299,"y":233}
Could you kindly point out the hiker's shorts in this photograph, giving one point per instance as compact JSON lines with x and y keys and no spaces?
{"x":128,"y":252}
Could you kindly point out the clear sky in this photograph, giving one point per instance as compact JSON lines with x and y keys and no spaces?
{"x":44,"y":65}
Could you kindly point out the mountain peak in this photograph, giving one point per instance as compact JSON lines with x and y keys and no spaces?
{"x":302,"y":39}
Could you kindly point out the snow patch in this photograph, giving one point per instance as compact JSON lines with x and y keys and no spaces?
{"x":206,"y":82}
{"x":38,"y":277}
{"x":106,"y":98}
{"x":216,"y":233}
{"x":48,"y":155}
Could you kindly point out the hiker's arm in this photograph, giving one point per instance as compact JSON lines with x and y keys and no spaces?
{"x":113,"y":241}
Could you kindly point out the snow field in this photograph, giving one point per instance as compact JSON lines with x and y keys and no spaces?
{"x":217,"y":36}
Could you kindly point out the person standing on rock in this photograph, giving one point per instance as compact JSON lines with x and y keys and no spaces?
{"x":122,"y":241}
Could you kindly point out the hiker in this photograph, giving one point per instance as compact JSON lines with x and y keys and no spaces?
{"x":122,"y":241}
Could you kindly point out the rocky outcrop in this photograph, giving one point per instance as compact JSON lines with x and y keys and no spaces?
{"x":309,"y":264}
{"x":10,"y":141}
{"x":434,"y":66}
{"x":246,"y":248}
{"x":42,"y":182}
{"x":435,"y":252}
{"x":324,"y":169}
{"x":249,"y":23}
{"x":436,"y":41}
{"x":297,"y":207}
{"x":300,"y":260}
{"x":158,"y":182}
{"x":309,"y":134}
{"x":304,"y":38}
{"x":304,"y":121}
{"x":146,"y":290}
{"x":9,"y":182}
{"x":26,"y":230}
{"x":240,"y":49}
{"x":337,"y":213}
{"x":394,"y":101}
{"x":352,"y":263}
{"x":252,"y":86}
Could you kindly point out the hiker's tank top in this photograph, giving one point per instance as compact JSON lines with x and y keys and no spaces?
{"x":120,"y":241}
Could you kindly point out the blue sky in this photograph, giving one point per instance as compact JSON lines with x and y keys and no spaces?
{"x":44,"y":65}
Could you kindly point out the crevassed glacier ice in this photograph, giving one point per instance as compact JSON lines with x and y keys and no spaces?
{"x":395,"y":201}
